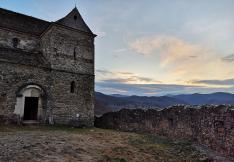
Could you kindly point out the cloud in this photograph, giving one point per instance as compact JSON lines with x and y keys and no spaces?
{"x":212,"y":30}
{"x":229,"y":58}
{"x":120,"y":50}
{"x":123,"y":77}
{"x":169,"y":48}
{"x":154,"y":89}
{"x":100,"y":34}
{"x":145,"y":79}
{"x":131,"y":79}
{"x":126,"y":73}
{"x":113,"y":73}
{"x":214,"y":82}
{"x":104,"y":72}
{"x":182,"y":59}
{"x":111,"y":90}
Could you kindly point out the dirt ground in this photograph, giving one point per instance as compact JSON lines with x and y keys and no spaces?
{"x":63,"y":144}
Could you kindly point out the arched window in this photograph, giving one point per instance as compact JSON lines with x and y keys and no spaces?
{"x":73,"y":87}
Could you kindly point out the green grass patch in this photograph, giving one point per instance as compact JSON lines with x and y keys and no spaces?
{"x":165,"y":149}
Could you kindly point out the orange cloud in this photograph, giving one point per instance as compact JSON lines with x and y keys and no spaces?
{"x":183,"y":60}
{"x":124,"y":77}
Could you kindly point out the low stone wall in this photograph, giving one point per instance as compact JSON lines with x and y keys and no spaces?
{"x":212,"y":126}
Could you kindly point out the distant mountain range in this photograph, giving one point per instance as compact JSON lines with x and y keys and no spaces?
{"x":214,"y":98}
{"x":106,"y":103}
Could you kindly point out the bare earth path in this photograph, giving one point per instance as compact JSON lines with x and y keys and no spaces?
{"x":62,"y":144}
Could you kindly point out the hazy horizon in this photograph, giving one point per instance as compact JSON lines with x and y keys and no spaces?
{"x":153,"y":47}
{"x":115,"y":94}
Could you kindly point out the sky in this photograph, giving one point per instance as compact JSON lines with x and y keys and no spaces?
{"x":152,"y":47}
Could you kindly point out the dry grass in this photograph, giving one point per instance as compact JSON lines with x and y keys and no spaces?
{"x":43,"y":143}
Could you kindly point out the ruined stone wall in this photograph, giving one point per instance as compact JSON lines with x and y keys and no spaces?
{"x":212,"y":126}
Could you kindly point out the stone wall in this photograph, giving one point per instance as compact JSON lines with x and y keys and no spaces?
{"x":52,"y":61}
{"x":59,"y":103}
{"x":212,"y":126}
{"x":73,"y":108}
{"x":13,"y":77}
{"x":2,"y":106}
{"x":69,"y":50}
{"x":71,"y":55}
{"x":25,"y":42}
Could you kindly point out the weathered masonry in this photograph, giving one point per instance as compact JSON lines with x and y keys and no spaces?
{"x":46,"y":70}
{"x":212,"y":126}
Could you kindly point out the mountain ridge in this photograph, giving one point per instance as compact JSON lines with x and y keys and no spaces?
{"x":106,"y":103}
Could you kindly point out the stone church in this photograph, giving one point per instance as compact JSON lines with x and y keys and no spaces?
{"x":46,"y":70}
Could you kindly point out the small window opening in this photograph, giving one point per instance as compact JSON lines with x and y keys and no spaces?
{"x":75,"y":17}
{"x":73,"y":86}
{"x":219,"y":124}
{"x":74,"y":53}
{"x":15,"y":42}
{"x":171,"y":122}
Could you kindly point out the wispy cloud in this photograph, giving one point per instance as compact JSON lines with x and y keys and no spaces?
{"x":229,"y":58}
{"x":100,"y":33}
{"x":183,"y":59}
{"x":226,"y":82}
{"x":132,"y":79}
{"x":110,"y":90}
{"x":123,"y":77}
{"x":104,"y":72}
{"x":121,"y":50}
{"x":154,"y":89}
{"x":125,"y":83}
{"x":169,"y":48}
{"x":211,"y":29}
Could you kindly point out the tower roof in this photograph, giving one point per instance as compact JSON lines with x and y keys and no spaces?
{"x":75,"y":21}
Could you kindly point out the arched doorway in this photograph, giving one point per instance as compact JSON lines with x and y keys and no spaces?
{"x":29,"y":102}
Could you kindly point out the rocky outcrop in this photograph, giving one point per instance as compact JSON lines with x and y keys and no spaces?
{"x":212,"y":126}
